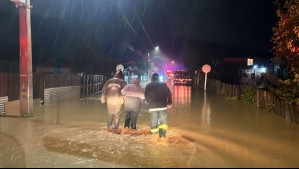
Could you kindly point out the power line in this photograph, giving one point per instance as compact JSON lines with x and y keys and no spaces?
{"x":144,"y":29}
{"x":130,"y":25}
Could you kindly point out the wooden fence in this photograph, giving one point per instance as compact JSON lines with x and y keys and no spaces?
{"x":10,"y":84}
{"x":263,"y":99}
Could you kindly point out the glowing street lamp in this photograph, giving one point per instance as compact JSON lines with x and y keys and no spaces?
{"x":150,"y":56}
{"x":157,"y":48}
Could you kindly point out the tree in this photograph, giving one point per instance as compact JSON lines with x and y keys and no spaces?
{"x":286,"y":35}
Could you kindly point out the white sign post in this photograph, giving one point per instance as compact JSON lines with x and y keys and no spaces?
{"x":206,"y":69}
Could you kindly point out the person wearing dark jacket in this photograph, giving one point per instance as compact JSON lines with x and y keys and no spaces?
{"x":159,"y":99}
{"x":134,"y":97}
{"x":111,"y":94}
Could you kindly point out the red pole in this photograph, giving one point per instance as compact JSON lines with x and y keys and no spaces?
{"x":26,"y":101}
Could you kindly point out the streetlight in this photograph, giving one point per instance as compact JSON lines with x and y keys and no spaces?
{"x":157,"y":48}
{"x":154,"y":52}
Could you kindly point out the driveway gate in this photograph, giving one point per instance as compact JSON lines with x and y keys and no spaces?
{"x":91,"y":85}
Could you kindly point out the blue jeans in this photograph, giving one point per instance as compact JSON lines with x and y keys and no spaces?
{"x":131,"y":119}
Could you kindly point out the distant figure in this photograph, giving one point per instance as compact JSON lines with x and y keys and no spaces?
{"x":134,"y":98}
{"x":111,"y":94}
{"x":133,"y":70}
{"x":159,"y":98}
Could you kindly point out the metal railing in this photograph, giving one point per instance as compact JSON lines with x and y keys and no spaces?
{"x":91,"y":85}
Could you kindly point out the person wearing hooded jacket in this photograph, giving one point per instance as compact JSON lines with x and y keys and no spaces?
{"x":111,"y":94}
{"x":134,"y":98}
{"x":159,"y":99}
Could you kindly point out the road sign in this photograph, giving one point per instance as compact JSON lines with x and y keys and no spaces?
{"x":206,"y":69}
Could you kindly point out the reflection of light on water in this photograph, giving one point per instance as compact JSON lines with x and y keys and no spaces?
{"x":182,"y":96}
{"x":206,"y":111}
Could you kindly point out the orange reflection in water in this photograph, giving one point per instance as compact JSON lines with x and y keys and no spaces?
{"x":181,"y":96}
{"x":206,"y":111}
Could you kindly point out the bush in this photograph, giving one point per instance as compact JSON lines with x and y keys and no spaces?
{"x":248,"y":95}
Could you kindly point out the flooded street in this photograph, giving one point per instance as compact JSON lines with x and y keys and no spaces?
{"x":205,"y":130}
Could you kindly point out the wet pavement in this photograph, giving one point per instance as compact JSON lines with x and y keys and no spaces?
{"x":205,"y":130}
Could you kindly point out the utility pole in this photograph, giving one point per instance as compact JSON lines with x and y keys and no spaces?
{"x":26,"y":86}
{"x":147,"y":60}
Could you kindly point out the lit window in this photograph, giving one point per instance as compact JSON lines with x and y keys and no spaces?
{"x":249,"y":62}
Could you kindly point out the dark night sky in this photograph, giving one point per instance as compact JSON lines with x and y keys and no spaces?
{"x":88,"y":33}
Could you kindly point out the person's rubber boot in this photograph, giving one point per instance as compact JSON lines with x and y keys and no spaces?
{"x":162,"y":132}
{"x":133,"y":127}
